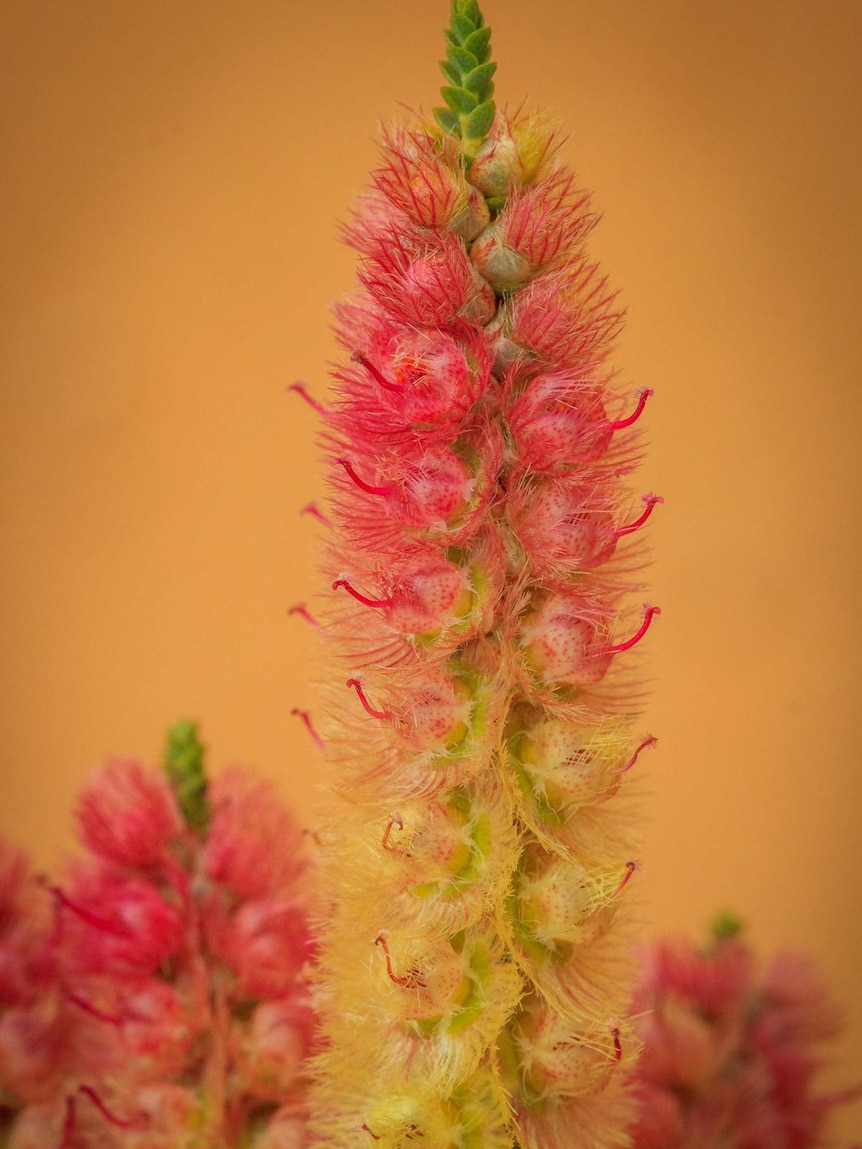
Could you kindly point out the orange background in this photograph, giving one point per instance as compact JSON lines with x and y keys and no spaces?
{"x":172,"y":179}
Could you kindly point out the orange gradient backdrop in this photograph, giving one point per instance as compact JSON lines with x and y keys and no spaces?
{"x":172,"y":179}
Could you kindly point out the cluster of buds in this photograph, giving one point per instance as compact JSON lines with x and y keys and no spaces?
{"x":731,"y":1050}
{"x":482,"y":555}
{"x":156,"y":997}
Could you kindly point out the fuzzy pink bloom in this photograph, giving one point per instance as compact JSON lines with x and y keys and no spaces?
{"x":127,"y":814}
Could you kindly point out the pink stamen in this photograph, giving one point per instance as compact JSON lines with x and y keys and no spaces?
{"x":110,"y":1117}
{"x":363,"y":486}
{"x":377,"y":602}
{"x":650,"y":501}
{"x":369,"y":709}
{"x":363,"y":361}
{"x":302,"y":610}
{"x":411,"y":979}
{"x":649,"y":740}
{"x":91,"y":1009}
{"x":315,"y":511}
{"x":309,"y":726}
{"x":301,"y":390}
{"x":618,"y":424}
{"x":626,"y":878}
{"x":395,"y":820}
{"x":649,"y":613}
{"x":85,"y":915}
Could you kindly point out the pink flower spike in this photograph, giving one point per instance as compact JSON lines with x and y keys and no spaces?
{"x":619,"y":424}
{"x":315,"y":511}
{"x":309,"y":726}
{"x":365,"y":362}
{"x":650,"y":501}
{"x":369,"y":709}
{"x":377,"y":602}
{"x":649,"y":741}
{"x":649,"y":613}
{"x":363,"y":486}
{"x":301,"y":390}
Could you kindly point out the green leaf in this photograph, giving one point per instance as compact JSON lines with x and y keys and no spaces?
{"x":184,"y":767}
{"x":451,"y":74}
{"x":469,"y":10}
{"x":464,"y":61}
{"x":462,"y":27}
{"x":448,"y":120}
{"x":459,"y":100}
{"x":478,"y":43}
{"x":480,"y":121}
{"x":479,"y":79}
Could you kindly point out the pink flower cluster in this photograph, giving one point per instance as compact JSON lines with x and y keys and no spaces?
{"x":156,"y":997}
{"x":730,"y":1051}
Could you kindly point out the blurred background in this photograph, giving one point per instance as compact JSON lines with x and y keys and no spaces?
{"x":172,"y":180}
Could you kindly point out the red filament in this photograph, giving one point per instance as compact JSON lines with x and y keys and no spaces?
{"x":301,"y":390}
{"x":395,"y":820}
{"x":648,"y":741}
{"x":302,"y":610}
{"x":363,"y":486}
{"x":315,"y":511}
{"x":618,"y":1045}
{"x":369,"y":709}
{"x":649,"y":613}
{"x":91,"y":1009}
{"x":88,"y":917}
{"x":378,"y":602}
{"x":412,"y":979}
{"x":309,"y":726}
{"x":363,"y":361}
{"x":618,"y":424}
{"x":110,"y":1117}
{"x":365,"y":1129}
{"x":626,"y":878}
{"x":650,"y":501}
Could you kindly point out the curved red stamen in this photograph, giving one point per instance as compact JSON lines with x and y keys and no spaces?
{"x":618,"y":1045}
{"x":649,"y":613}
{"x":412,"y":979}
{"x":309,"y":726}
{"x":626,"y":878}
{"x":363,"y":486}
{"x":650,"y":501}
{"x":86,"y":916}
{"x":68,"y":1124}
{"x":365,"y":362}
{"x":316,"y":512}
{"x":618,"y":424}
{"x":368,"y":708}
{"x":302,"y":391}
{"x":377,"y":602}
{"x":302,"y":610}
{"x":91,"y":1009}
{"x":110,"y":1117}
{"x":649,"y":740}
{"x":395,"y":820}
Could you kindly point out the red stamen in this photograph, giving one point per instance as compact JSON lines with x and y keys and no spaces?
{"x":650,"y":501}
{"x":395,"y":820}
{"x":649,"y":740}
{"x":363,"y":486}
{"x":365,"y":1129}
{"x":618,"y":424}
{"x":68,"y":1124}
{"x":302,"y":610}
{"x":309,"y":726}
{"x":85,"y":915}
{"x":378,"y":602}
{"x":369,"y":709}
{"x":411,"y":979}
{"x":363,"y":361}
{"x":300,"y":389}
{"x":618,"y":1045}
{"x":649,"y":613}
{"x":110,"y":1117}
{"x":316,"y":512}
{"x":313,"y":834}
{"x":626,"y":878}
{"x":91,"y":1009}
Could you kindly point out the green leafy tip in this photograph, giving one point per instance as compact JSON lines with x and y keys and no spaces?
{"x":469,"y":89}
{"x":184,"y":767}
{"x":726,"y":925}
